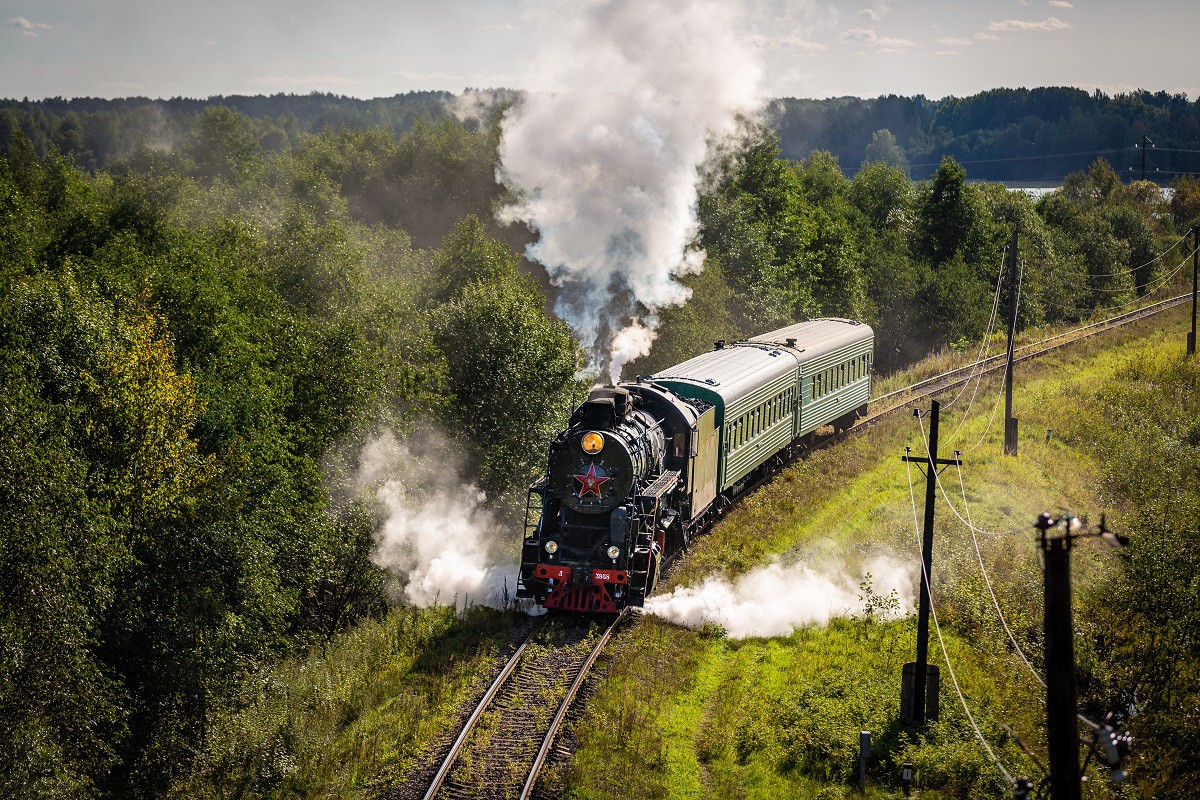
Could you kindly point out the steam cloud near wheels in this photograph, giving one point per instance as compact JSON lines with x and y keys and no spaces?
{"x":436,"y":534}
{"x":626,"y":101}
{"x":776,"y":599}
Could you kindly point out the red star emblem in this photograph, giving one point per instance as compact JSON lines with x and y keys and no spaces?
{"x":591,"y":482}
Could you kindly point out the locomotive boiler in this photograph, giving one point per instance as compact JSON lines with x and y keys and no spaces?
{"x":644,"y":466}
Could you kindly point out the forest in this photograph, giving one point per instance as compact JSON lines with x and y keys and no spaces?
{"x":1039,"y":134}
{"x":196,"y":339}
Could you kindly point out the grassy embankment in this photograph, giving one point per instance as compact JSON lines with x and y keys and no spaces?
{"x":692,"y":714}
{"x":351,"y":714}
{"x":686,"y":714}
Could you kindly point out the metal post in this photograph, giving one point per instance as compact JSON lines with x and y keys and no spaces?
{"x":1010,"y":424}
{"x":864,"y":753}
{"x":918,"y":701}
{"x":1191,"y":342}
{"x":1062,"y":732}
{"x":1145,"y":139}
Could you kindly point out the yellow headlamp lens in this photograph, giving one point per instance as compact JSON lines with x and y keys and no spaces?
{"x":592,"y":443}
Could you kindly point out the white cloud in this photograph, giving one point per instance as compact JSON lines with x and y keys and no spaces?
{"x":952,"y":42}
{"x":502,"y":27}
{"x":947,"y":53}
{"x":26,"y":27}
{"x":1048,"y":24}
{"x":123,"y":86}
{"x":212,"y":43}
{"x":870,"y":14}
{"x":1061,"y":4}
{"x":881,"y":44}
{"x":987,"y":37}
{"x":793,"y":42}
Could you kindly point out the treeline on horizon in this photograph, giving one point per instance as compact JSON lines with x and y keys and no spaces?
{"x":1037,"y":135}
{"x":195,"y":344}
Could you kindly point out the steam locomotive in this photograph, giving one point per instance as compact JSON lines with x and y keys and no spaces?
{"x":644,"y":466}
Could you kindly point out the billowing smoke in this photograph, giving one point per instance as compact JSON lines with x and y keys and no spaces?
{"x":779,"y":598}
{"x":436,"y":534}
{"x":606,"y":151}
{"x":478,"y":106}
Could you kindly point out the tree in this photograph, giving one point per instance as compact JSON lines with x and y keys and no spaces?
{"x":946,"y":214}
{"x":223,"y":146}
{"x":884,"y":148}
{"x":510,"y":371}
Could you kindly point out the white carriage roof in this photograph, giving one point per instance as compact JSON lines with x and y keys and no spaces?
{"x":730,"y":372}
{"x":817,"y":337}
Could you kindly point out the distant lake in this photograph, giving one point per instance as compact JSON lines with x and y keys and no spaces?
{"x":1036,"y":190}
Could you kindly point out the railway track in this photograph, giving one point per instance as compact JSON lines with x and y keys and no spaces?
{"x":507,"y":739}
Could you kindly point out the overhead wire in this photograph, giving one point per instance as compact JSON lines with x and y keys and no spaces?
{"x":1026,"y":158}
{"x":1000,"y":393}
{"x":984,"y":341}
{"x":988,"y":583}
{"x":1158,"y":283}
{"x":942,"y":642}
{"x":979,"y":360}
{"x":1162,"y":279}
{"x":1131,"y":270}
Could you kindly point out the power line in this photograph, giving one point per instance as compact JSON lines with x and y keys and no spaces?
{"x":942,"y":642}
{"x":1025,"y":158}
{"x":982,"y":344}
{"x":1132,"y":269}
{"x":979,"y":359}
{"x":988,"y":583}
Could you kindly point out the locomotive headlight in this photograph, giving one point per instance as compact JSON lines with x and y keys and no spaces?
{"x":592,"y":443}
{"x":551,"y":547}
{"x":613,"y":552}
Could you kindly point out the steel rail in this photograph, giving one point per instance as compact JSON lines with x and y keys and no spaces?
{"x":1160,"y":305}
{"x":556,"y":723}
{"x":484,"y":702}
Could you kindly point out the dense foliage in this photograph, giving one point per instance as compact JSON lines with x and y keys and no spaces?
{"x":1002,"y":134}
{"x":195,"y":343}
{"x":188,"y":343}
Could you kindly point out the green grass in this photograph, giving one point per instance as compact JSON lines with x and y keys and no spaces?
{"x":689,"y":714}
{"x":352,"y":715}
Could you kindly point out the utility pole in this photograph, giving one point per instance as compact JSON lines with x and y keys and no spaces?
{"x":915,"y":703}
{"x":1145,"y":140}
{"x":1062,"y":732}
{"x":1010,"y":424}
{"x":1191,"y":347}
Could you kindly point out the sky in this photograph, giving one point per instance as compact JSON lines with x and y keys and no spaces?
{"x":373,"y":48}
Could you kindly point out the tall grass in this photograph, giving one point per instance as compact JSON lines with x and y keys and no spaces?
{"x":354,"y":713}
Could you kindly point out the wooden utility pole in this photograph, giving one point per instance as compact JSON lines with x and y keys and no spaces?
{"x":1191,"y":348}
{"x":916,"y":704}
{"x":1062,"y":732}
{"x":1010,"y":424}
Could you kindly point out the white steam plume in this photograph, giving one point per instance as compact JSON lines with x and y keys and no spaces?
{"x":607,"y":150}
{"x":777,"y":599}
{"x":437,"y":536}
